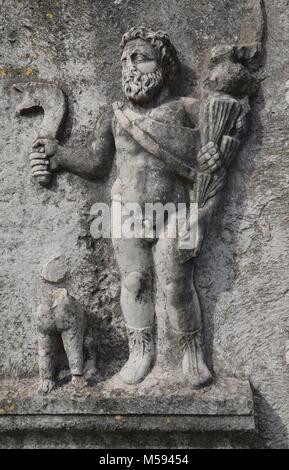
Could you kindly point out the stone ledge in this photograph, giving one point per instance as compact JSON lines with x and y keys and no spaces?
{"x":155,"y":405}
{"x":128,"y":423}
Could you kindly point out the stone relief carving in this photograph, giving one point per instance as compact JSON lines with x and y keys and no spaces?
{"x":65,"y":318}
{"x":168,"y":149}
{"x":61,"y":319}
{"x":51,"y":99}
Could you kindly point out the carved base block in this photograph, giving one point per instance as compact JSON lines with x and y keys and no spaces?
{"x":113,"y":409}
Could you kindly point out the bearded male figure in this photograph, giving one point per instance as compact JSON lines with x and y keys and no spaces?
{"x":166,"y":173}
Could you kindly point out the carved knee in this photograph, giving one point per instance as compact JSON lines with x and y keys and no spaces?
{"x":136,"y":282}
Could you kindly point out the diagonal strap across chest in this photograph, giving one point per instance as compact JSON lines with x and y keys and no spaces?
{"x":134,"y":124}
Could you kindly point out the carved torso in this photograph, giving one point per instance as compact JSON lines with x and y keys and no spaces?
{"x":141,"y":176}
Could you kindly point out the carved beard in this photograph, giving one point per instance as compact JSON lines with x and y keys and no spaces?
{"x":141,"y":87}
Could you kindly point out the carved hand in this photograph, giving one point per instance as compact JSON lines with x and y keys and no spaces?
{"x":209,"y":158}
{"x":42,"y":158}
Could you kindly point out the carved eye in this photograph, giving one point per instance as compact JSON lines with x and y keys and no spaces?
{"x":137,"y":56}
{"x":142,"y":57}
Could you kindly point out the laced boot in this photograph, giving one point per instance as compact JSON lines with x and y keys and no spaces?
{"x":141,"y":355}
{"x":195,"y":369}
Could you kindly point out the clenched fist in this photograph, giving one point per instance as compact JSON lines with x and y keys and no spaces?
{"x":41,"y":160}
{"x":209,"y":158}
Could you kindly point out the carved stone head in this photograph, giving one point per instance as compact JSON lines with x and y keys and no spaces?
{"x":149,"y":62}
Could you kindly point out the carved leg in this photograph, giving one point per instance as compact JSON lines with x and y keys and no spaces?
{"x":73,"y":345}
{"x":47,"y":351}
{"x":135,"y":263}
{"x":90,"y":355}
{"x":70,"y":322}
{"x":183,"y":309}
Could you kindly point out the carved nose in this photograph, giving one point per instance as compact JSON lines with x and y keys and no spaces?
{"x":129,"y":63}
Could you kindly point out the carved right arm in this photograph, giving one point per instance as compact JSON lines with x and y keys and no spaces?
{"x":91,"y":162}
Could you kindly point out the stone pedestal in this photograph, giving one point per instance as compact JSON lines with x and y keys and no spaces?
{"x":112,"y":414}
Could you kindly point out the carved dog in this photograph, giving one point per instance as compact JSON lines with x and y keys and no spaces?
{"x":64,"y":319}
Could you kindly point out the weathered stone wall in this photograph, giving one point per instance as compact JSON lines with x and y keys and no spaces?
{"x":243,"y":276}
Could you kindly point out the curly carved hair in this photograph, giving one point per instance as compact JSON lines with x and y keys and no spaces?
{"x":161,"y":41}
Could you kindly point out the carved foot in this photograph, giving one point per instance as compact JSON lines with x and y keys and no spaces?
{"x":141,"y":357}
{"x":195,"y":369}
{"x":46,"y":386}
{"x":79,"y":381}
{"x":90,"y":370}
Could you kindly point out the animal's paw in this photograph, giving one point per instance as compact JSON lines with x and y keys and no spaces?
{"x":46,"y":386}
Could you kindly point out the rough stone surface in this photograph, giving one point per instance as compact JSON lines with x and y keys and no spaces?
{"x":54,"y":270}
{"x":243,"y":275}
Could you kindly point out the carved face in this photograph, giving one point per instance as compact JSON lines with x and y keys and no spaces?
{"x":142,"y":75}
